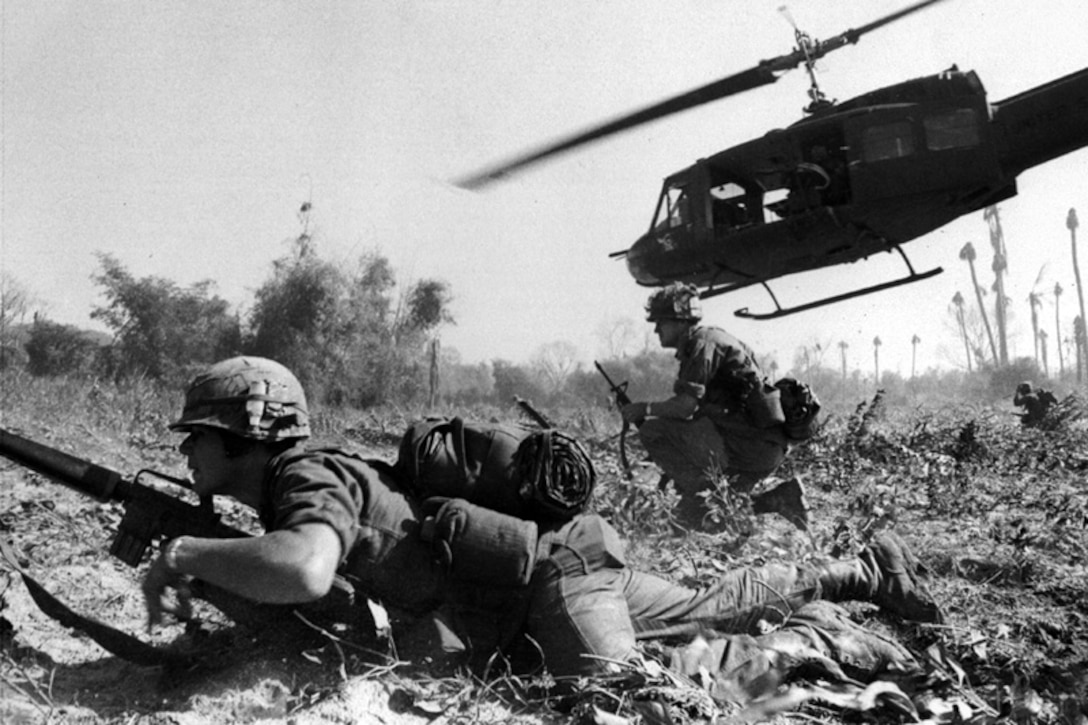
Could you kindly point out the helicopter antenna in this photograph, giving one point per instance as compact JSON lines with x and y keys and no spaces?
{"x":807,"y":47}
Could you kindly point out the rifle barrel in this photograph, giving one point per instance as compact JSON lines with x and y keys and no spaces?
{"x":88,"y":478}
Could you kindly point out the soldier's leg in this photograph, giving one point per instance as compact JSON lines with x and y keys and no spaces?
{"x":691,"y":453}
{"x":579,"y":620}
{"x":747,"y":600}
{"x":820,"y":634}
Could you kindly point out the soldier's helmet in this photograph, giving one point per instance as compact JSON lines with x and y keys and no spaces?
{"x":677,"y":301}
{"x":252,"y":397}
{"x":1024,"y":387}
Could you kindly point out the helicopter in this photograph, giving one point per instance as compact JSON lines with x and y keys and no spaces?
{"x":849,"y":180}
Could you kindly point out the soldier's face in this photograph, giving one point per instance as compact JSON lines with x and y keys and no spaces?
{"x":211,"y":469}
{"x":669,"y":332}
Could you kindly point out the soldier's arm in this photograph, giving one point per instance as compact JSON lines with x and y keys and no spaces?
{"x":281,"y":567}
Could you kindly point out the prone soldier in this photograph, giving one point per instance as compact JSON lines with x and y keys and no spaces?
{"x":485,"y":579}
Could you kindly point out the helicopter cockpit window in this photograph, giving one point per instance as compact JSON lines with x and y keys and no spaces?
{"x":676,"y":207}
{"x":953,"y":129}
{"x":887,"y":141}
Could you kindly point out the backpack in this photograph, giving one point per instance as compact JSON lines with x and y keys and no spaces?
{"x":801,"y":408}
{"x":487,"y":464}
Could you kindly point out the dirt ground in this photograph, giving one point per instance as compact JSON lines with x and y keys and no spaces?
{"x":1000,"y":526}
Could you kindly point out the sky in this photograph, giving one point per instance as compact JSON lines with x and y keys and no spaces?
{"x":183,"y":137}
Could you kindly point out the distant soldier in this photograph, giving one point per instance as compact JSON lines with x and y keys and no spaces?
{"x":723,"y":417}
{"x":1035,"y":403}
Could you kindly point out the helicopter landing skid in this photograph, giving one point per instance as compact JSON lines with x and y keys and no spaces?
{"x":782,"y":312}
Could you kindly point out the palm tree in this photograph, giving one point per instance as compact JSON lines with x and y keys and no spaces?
{"x":1042,"y":347}
{"x":1078,"y":342}
{"x":968,"y":253}
{"x":842,"y":347}
{"x":876,"y":360}
{"x":913,"y":353}
{"x":1000,"y":264}
{"x":1071,"y":224}
{"x":957,"y":300}
{"x":1058,"y":328}
{"x":1035,"y":301}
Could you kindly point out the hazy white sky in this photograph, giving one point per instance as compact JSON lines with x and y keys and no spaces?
{"x":182,"y":138}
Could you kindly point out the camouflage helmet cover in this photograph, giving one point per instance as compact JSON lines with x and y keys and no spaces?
{"x":252,"y":397}
{"x":677,"y":301}
{"x":1024,"y":387}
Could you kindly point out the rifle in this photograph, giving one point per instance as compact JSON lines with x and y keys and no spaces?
{"x":622,"y":399}
{"x":149,"y":515}
{"x":538,"y":417}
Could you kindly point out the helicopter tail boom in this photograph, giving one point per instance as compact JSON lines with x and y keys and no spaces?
{"x":1042,"y":123}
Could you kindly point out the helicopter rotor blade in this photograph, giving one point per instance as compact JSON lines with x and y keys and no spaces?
{"x":765,"y":73}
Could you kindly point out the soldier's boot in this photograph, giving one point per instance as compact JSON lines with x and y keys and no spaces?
{"x":886,"y":573}
{"x":786,"y":499}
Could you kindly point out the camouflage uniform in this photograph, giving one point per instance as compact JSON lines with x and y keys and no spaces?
{"x":580,"y":604}
{"x":469,"y":580}
{"x":1035,"y":403}
{"x":718,"y":370}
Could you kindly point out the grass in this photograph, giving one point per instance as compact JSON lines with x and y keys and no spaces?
{"x":997,"y":512}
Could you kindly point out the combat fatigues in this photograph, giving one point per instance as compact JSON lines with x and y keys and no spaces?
{"x":580,"y":598}
{"x":1035,"y":403}
{"x":720,"y":372}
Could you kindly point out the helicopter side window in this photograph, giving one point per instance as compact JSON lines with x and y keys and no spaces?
{"x":887,"y":141}
{"x":953,"y":129}
{"x":730,"y":205}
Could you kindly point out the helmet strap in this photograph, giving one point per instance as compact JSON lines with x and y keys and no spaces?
{"x":255,"y":402}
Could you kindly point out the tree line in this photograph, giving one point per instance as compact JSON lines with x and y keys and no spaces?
{"x":350,"y":334}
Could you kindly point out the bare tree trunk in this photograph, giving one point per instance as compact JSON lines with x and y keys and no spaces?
{"x":982,"y":310}
{"x":1033,"y":300}
{"x":1058,"y":329}
{"x":1000,"y":264}
{"x":435,"y":376}
{"x":957,"y":300}
{"x":1042,"y":347}
{"x":876,"y":362}
{"x":1071,"y":224}
{"x":913,"y":353}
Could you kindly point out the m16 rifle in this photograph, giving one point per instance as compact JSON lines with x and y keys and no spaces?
{"x":619,"y":392}
{"x":150,"y":515}
{"x":535,"y":415}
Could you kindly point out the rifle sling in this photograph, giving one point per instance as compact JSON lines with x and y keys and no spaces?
{"x":113,"y":640}
{"x":624,"y":463}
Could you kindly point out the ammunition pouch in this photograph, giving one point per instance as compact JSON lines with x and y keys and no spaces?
{"x":479,"y":545}
{"x":586,"y":545}
{"x":764,"y":407}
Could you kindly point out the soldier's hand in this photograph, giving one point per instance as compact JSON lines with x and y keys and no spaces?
{"x":634,"y":412}
{"x":156,"y":587}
